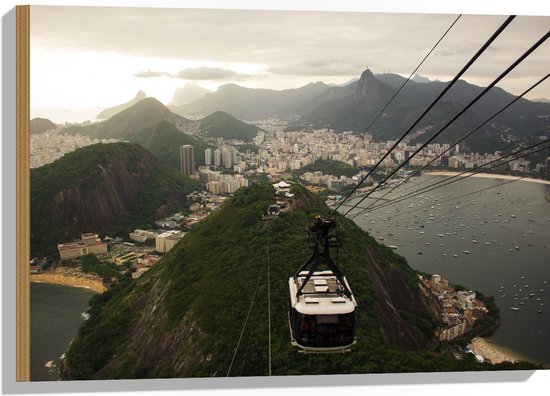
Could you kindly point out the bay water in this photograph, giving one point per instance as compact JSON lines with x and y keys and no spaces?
{"x":56,"y":314}
{"x":487,"y":234}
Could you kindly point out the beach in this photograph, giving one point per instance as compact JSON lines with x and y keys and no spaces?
{"x":70,"y":277}
{"x":488,"y":176}
{"x":492,"y":352}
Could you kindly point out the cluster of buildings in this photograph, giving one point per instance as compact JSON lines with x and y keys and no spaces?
{"x":48,"y":146}
{"x":332,"y":182}
{"x":89,"y":243}
{"x":459,"y":310}
{"x":140,"y":259}
{"x":280,"y":151}
{"x":217,"y":182}
{"x":222,"y":157}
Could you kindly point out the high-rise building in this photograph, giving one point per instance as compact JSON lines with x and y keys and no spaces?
{"x":217,"y":157}
{"x":208,"y":156}
{"x":227,"y":157}
{"x":187,"y":160}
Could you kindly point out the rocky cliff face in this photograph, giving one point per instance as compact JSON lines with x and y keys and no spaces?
{"x":106,"y":203}
{"x":394,"y":294}
{"x":99,"y":189}
{"x":370,"y":90}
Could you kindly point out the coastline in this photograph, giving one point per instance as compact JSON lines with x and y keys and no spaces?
{"x":70,"y":277}
{"x":495,"y":353}
{"x":488,"y":176}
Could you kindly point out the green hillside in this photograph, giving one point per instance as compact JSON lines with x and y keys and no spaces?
{"x":164,"y":141}
{"x":184,"y":317}
{"x":222,"y":124}
{"x":105,"y":188}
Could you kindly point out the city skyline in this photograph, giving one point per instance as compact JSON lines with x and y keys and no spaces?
{"x":84,"y":59}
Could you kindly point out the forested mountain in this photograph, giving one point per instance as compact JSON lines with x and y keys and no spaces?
{"x":185,"y":316}
{"x":106,"y":188}
{"x":222,"y":124}
{"x":164,"y":141}
{"x":146,"y":113}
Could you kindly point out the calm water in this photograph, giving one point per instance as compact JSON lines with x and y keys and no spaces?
{"x":506,"y":231}
{"x":56,"y":315}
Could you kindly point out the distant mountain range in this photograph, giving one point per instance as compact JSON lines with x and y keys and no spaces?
{"x":187,"y":94}
{"x":349,"y":107}
{"x":353,"y":106}
{"x":253,"y":104}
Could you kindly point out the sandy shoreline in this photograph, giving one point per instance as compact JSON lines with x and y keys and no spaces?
{"x":488,"y":176}
{"x":493,"y":352}
{"x":70,"y":277}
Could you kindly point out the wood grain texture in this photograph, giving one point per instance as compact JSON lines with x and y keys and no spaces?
{"x":22,"y":360}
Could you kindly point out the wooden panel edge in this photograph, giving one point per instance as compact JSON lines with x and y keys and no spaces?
{"x":22,"y":36}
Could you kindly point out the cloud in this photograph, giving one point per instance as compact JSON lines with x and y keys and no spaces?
{"x":149,"y":74}
{"x":210,"y":73}
{"x":203,"y":73}
{"x":290,"y":45}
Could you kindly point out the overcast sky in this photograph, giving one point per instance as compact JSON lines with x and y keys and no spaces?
{"x":84,"y":59}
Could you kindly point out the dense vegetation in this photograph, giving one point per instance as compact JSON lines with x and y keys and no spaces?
{"x":222,"y":124}
{"x":329,"y":167}
{"x":164,"y":141}
{"x":83,"y":171}
{"x":217,"y":275}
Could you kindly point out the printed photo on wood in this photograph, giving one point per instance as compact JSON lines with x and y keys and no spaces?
{"x":242,"y":193}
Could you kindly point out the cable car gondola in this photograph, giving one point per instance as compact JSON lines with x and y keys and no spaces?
{"x":322,"y":306}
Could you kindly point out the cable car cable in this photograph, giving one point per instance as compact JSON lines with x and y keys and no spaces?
{"x":413,"y":187}
{"x":500,"y":77}
{"x":471,"y":172}
{"x":401,"y":87}
{"x":464,"y":137}
{"x":441,"y":94}
{"x":244,"y":326}
{"x":269,"y":305}
{"x":465,"y":195}
{"x":499,"y":150}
